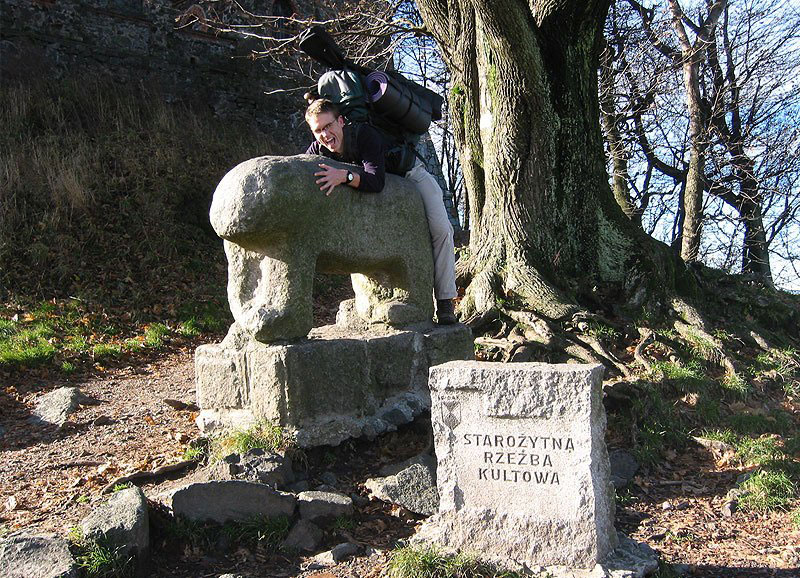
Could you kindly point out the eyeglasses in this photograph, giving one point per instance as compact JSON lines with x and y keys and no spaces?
{"x":327,"y":127}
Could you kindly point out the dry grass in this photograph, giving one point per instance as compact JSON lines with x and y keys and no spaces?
{"x":110,"y":185}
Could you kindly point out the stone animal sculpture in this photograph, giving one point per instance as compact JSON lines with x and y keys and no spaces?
{"x":279,"y":228}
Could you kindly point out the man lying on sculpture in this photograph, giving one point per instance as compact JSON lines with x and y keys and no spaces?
{"x":363,"y":145}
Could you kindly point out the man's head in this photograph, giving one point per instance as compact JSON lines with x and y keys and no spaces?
{"x":327,"y":124}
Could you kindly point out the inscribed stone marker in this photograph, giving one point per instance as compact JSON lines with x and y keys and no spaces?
{"x":523,"y":472}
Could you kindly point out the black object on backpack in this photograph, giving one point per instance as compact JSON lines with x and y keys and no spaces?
{"x":399,"y":108}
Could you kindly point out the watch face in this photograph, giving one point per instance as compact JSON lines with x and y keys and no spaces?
{"x":349,"y":177}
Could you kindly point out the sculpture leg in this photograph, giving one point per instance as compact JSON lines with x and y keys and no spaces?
{"x":270,"y":296}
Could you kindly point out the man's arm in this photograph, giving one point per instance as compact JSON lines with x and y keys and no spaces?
{"x":372,"y":150}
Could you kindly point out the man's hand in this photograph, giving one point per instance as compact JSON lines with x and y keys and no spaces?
{"x":330,"y":178}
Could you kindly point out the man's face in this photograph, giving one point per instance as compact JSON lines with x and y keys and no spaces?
{"x":328,"y":130}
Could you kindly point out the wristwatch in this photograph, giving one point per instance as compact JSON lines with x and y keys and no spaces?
{"x":350,"y":177}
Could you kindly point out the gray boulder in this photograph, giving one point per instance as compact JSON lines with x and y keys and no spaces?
{"x":230,"y":500}
{"x":304,"y":536}
{"x":413,"y":487}
{"x":278,"y":228}
{"x":122,"y":521}
{"x":324,"y":505}
{"x":55,"y":407}
{"x":24,"y":556}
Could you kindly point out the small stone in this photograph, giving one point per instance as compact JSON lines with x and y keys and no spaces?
{"x":304,"y":535}
{"x":666,"y":506}
{"x":344,"y":551}
{"x":623,"y":468}
{"x":329,"y":479}
{"x":413,"y":488}
{"x":728,"y":508}
{"x":359,"y":501}
{"x":682,"y":506}
{"x":268,"y":468}
{"x":181,"y":437}
{"x":10,"y":504}
{"x":316,"y":505}
{"x":399,"y":415}
{"x":297,"y":487}
{"x":102,"y":420}
{"x":681,"y":569}
{"x":322,"y":560}
{"x":54,"y":408}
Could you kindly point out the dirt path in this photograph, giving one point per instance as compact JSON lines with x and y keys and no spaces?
{"x":55,"y":476}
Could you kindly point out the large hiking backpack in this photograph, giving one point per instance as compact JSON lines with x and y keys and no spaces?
{"x":400,"y":109}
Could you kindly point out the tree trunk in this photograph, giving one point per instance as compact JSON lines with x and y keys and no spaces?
{"x":546,"y":228}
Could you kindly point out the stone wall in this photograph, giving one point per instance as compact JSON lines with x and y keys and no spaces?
{"x":151,"y":44}
{"x":163,"y":46}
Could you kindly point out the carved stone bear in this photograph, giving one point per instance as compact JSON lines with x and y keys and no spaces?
{"x":279,"y":228}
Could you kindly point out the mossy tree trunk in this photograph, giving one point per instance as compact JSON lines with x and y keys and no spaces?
{"x":546,"y":228}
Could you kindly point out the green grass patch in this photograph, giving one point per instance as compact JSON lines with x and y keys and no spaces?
{"x":795,"y":517}
{"x":736,"y":385}
{"x":603,"y":332}
{"x":197,"y":453}
{"x":428,"y":562}
{"x":262,"y":531}
{"x":257,"y":531}
{"x":758,"y":451}
{"x":346,"y":523}
{"x":687,"y":377}
{"x":120,"y":487}
{"x":657,"y":425}
{"x":263,"y":435}
{"x":98,"y":558}
{"x":155,"y":335}
{"x":766,"y":491}
{"x":106,"y":350}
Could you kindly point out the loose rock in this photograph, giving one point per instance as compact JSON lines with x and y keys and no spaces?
{"x":304,"y":535}
{"x":55,"y":407}
{"x":414,"y":488}
{"x":344,"y":551}
{"x":623,"y":467}
{"x":316,"y":505}
{"x":123,"y":521}
{"x":24,"y":556}
{"x":230,"y":500}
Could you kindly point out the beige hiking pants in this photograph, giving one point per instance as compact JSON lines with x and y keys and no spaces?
{"x":444,"y":265}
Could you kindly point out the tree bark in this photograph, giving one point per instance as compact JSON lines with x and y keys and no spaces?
{"x":546,"y":228}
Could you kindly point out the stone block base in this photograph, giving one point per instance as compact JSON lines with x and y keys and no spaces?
{"x":334,"y":385}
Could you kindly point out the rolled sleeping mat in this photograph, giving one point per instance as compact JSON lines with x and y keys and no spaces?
{"x":398,"y":103}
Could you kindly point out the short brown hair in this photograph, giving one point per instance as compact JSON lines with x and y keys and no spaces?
{"x":321,"y":106}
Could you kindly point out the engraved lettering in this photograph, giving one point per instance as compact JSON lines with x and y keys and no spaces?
{"x":487,"y":457}
{"x":547,"y":461}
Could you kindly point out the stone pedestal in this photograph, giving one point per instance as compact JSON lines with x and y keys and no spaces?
{"x":523,"y":472}
{"x":336,"y":384}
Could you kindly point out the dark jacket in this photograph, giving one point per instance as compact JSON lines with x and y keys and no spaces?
{"x":365,"y":146}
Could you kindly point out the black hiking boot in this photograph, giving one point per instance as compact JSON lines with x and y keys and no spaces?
{"x":445,"y":313}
